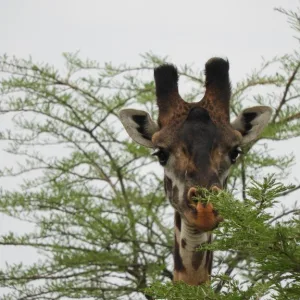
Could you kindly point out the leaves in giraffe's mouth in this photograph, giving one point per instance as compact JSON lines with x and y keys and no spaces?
{"x":204,"y":195}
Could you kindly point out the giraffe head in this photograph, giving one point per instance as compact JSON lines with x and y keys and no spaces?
{"x":195,"y":142}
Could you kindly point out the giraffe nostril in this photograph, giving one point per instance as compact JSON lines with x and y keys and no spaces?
{"x":215,"y":188}
{"x":192,"y":193}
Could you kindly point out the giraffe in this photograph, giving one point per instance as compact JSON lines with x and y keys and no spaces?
{"x":196,"y":144}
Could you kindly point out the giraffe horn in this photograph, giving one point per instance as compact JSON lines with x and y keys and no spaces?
{"x":218,"y":88}
{"x":168,"y":98}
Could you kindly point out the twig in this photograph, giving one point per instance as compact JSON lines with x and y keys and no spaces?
{"x":287,"y":87}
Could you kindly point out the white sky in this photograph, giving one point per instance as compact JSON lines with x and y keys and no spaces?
{"x":118,"y":31}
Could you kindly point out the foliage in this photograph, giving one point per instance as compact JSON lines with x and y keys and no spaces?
{"x":257,"y":242}
{"x":100,"y":221}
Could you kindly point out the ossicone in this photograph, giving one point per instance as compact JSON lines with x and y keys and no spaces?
{"x":217,"y":71}
{"x":166,"y":79}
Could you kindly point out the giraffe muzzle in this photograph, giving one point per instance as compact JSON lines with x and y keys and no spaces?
{"x":201,"y":213}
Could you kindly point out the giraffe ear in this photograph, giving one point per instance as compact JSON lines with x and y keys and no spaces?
{"x":139,"y":126}
{"x":251,"y":122}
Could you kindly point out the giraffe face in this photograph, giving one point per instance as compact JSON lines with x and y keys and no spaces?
{"x":195,"y":142}
{"x":195,"y":153}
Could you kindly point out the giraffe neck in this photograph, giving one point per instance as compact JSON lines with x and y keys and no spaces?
{"x":191,"y":265}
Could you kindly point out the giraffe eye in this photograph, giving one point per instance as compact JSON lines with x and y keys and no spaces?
{"x":234,"y":153}
{"x":162,"y":155}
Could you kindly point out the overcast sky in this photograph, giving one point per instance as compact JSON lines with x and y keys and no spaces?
{"x":119,"y":31}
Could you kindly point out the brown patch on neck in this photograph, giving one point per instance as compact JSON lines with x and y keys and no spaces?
{"x":177,"y":220}
{"x":197,"y":258}
{"x":178,"y":264}
{"x":209,"y":257}
{"x":209,"y":261}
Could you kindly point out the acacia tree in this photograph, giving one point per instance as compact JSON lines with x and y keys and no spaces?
{"x":101,"y":222}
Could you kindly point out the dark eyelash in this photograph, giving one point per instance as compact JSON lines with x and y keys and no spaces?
{"x":162,"y":155}
{"x":234,"y":153}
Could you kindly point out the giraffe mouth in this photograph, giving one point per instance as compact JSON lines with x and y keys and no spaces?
{"x":201,"y":214}
{"x":197,"y":206}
